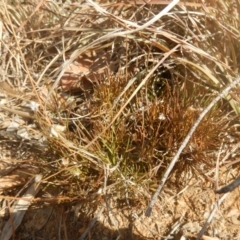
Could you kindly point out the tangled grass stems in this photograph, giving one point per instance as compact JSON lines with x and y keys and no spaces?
{"x":125,"y":82}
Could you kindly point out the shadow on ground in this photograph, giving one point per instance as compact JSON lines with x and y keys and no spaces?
{"x":60,"y":222}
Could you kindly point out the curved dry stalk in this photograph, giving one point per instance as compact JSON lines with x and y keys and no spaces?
{"x":107,"y":37}
{"x":185,"y":142}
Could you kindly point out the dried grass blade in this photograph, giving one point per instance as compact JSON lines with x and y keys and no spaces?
{"x":20,"y":113}
{"x":19,"y":209}
{"x":204,"y":71}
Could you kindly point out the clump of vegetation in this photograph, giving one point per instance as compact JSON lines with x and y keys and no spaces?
{"x":116,"y":93}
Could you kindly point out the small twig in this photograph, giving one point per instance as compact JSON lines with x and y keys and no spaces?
{"x":217,"y":165}
{"x":185,"y":142}
{"x":104,"y":191}
{"x":92,"y":224}
{"x":215,"y":207}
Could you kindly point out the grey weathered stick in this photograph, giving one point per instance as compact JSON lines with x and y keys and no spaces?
{"x":185,"y":142}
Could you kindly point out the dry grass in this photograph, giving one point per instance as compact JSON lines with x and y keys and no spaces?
{"x":117,"y":94}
